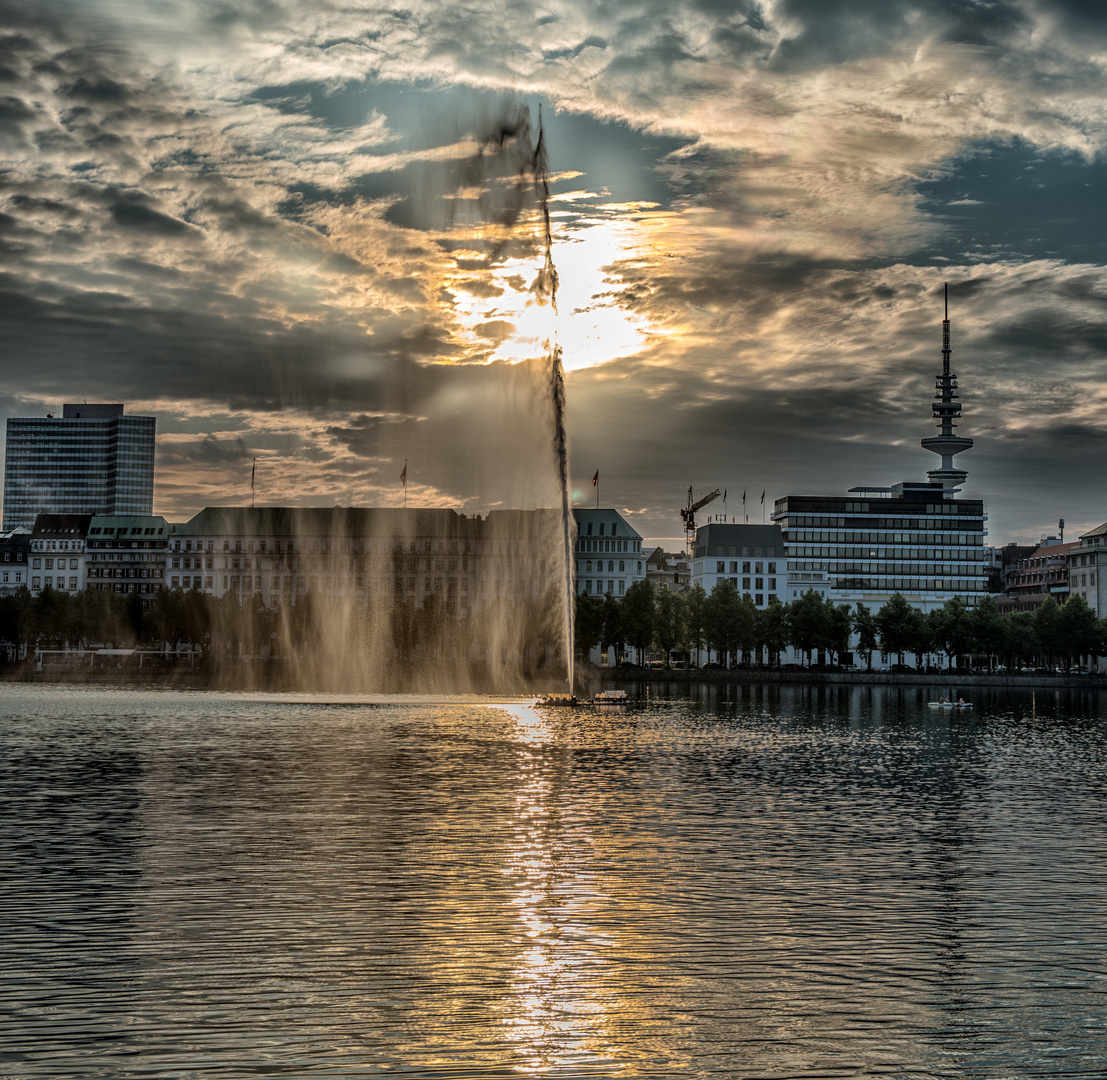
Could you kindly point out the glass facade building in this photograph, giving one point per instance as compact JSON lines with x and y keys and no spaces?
{"x":91,"y":460}
{"x":913,"y":539}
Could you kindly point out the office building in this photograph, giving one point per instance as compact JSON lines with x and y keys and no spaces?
{"x":91,"y":460}
{"x":752,"y":557}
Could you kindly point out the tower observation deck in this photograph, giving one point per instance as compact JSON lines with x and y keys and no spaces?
{"x":947,"y":408}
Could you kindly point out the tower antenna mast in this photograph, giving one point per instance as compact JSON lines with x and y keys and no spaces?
{"x":947,"y":408}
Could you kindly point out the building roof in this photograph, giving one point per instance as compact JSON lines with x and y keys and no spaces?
{"x":364,"y":521}
{"x":1100,"y":530}
{"x":727,"y":535}
{"x":128,"y":525}
{"x":607,"y":517}
{"x":62,"y":525}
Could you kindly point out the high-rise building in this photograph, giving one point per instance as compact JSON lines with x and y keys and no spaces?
{"x":90,"y":460}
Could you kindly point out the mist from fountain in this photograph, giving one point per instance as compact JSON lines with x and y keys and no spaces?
{"x":430,"y":600}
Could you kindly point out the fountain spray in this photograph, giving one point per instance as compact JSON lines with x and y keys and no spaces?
{"x":546,"y":285}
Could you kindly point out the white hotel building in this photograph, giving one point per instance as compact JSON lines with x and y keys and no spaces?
{"x":609,"y":556}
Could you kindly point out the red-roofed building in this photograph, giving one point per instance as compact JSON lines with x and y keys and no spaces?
{"x":1044,"y":572}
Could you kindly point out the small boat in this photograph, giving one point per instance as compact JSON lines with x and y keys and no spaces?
{"x":950,"y":704}
{"x":611,"y":697}
{"x":559,"y":700}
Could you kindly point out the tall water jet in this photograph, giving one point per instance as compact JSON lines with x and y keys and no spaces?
{"x":547,"y":281}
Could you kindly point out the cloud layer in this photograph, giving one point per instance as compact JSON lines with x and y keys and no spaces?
{"x":307,"y":234}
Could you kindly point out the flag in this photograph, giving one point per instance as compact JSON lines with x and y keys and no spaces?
{"x":596,"y":479}
{"x":763,"y":497}
{"x":743,"y":496}
{"x":724,"y":494}
{"x":403,"y":475}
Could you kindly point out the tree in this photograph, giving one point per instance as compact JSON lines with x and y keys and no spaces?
{"x":772,"y":622}
{"x":639,"y":605}
{"x":1079,"y":629}
{"x":839,"y":625}
{"x":614,"y":634}
{"x":695,"y":607}
{"x":864,"y":625}
{"x":1047,"y":624}
{"x":588,"y":623}
{"x":747,"y":631}
{"x":1020,"y":638}
{"x":723,"y":619}
{"x":986,"y":630}
{"x":669,"y":620}
{"x":807,"y":623}
{"x":920,"y":635}
{"x":894,"y":624}
{"x":952,"y":630}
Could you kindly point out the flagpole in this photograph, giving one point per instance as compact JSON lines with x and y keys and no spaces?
{"x":253,"y":469}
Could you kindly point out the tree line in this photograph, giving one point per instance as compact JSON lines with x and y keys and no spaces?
{"x":323,"y":631}
{"x":730,"y":626}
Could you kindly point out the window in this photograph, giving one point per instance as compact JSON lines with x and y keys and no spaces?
{"x":745,"y":567}
{"x":720,"y":567}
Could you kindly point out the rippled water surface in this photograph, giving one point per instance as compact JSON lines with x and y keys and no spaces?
{"x":763,"y":882}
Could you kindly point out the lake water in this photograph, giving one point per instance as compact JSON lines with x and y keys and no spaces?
{"x":756,"y":882}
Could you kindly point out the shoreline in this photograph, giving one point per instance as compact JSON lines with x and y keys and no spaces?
{"x":1010,"y":681}
{"x":248,"y":676}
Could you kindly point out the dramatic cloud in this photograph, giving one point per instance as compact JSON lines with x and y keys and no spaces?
{"x":307,"y":234}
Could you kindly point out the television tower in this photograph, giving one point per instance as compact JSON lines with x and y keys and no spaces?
{"x":947,"y":408}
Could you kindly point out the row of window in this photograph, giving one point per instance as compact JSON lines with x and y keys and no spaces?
{"x":759,"y":568}
{"x":49,"y":583}
{"x":842,"y":536}
{"x":608,"y":546}
{"x":610,"y":566}
{"x":948,"y":569}
{"x":929,"y":555}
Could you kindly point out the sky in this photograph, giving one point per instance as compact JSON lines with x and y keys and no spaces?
{"x":311,"y":234}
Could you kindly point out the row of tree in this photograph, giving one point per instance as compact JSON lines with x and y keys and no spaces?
{"x":731,"y":627}
{"x":336,"y":630}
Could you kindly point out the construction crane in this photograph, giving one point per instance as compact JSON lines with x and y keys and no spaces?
{"x":689,"y":516}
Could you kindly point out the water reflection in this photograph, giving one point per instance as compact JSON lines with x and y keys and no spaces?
{"x":744,"y":880}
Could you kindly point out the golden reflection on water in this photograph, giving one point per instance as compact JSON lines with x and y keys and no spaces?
{"x":555,"y":1017}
